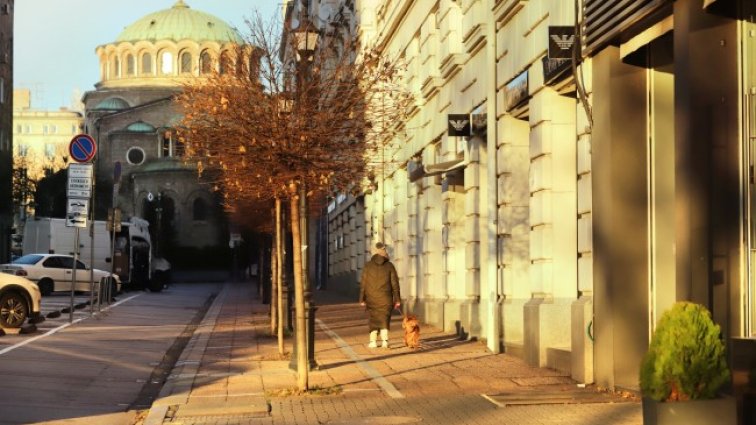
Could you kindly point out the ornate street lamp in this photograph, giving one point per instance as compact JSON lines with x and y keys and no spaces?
{"x":305,"y":39}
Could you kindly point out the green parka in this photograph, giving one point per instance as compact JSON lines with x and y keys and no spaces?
{"x":379,"y":290}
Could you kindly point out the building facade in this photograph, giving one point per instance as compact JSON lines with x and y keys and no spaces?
{"x":132,"y":116}
{"x":585,"y":201}
{"x":6,"y":122}
{"x":41,"y":138}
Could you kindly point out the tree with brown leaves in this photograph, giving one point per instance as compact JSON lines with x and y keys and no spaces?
{"x":286,"y":118}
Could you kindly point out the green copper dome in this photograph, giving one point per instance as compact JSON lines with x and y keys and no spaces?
{"x":112,"y":104}
{"x":140,"y":127}
{"x":180,"y":22}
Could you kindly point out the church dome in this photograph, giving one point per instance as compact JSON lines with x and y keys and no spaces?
{"x":180,"y":22}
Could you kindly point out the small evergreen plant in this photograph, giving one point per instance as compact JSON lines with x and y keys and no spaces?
{"x":686,"y":357}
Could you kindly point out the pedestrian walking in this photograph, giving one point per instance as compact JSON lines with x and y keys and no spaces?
{"x":379,"y":294}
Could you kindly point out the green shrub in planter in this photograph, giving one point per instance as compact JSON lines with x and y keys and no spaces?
{"x":686,"y":357}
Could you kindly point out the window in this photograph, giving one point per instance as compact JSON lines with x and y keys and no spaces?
{"x":166,"y":63}
{"x":130,"y":64}
{"x":206,"y":63}
{"x":50,"y":150}
{"x":135,"y":156}
{"x":73,"y":128}
{"x":146,"y":64}
{"x":225,"y":63}
{"x":199,"y":210}
{"x":53,"y":129}
{"x":53,"y":263}
{"x":171,"y":145}
{"x":45,"y":129}
{"x":4,"y":9}
{"x":18,"y":128}
{"x":186,"y":62}
{"x":2,"y":90}
{"x":116,"y":67}
{"x":27,"y":129}
{"x":23,"y":149}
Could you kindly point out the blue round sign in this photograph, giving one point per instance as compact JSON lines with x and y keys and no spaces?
{"x":82,"y":148}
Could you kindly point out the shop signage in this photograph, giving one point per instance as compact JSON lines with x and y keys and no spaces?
{"x":561,"y":41}
{"x":516,"y":91}
{"x":554,"y":68}
{"x":459,"y":125}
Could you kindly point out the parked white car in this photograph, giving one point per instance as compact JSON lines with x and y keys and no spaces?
{"x":54,"y":272}
{"x":19,"y":300}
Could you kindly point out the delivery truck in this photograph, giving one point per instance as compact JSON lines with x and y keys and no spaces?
{"x":128,"y":253}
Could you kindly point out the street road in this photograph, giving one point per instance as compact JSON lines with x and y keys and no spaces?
{"x":101,"y":368}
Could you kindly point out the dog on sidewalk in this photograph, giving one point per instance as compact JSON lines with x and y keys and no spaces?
{"x":411,"y":331}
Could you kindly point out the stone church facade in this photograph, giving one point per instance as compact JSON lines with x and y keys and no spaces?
{"x":132,"y":116}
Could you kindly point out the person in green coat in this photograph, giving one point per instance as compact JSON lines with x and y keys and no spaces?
{"x":379,"y":294}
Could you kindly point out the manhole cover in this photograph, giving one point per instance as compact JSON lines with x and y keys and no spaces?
{"x":377,"y":420}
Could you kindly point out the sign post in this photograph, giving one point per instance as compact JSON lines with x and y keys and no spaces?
{"x":79,"y":190}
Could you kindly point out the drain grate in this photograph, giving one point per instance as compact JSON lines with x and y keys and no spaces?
{"x":547,"y":396}
{"x":534,"y":381}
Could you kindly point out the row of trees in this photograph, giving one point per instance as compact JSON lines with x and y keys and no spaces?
{"x":294,"y":125}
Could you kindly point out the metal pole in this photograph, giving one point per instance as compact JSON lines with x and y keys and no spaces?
{"x":73,"y":273}
{"x":91,"y":246}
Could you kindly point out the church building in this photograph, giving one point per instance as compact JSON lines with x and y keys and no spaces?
{"x":132,"y":116}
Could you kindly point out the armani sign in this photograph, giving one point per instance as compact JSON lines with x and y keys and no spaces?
{"x":459,"y":125}
{"x":561,"y":40}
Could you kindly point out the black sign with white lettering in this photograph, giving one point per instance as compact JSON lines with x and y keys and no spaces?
{"x":561,"y":40}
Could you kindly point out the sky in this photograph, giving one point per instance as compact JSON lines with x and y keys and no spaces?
{"x":55,"y":40}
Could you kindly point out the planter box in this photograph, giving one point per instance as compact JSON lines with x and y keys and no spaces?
{"x":720,"y":411}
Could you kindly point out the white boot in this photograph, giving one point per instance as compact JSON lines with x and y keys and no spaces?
{"x":373,"y":339}
{"x":384,"y":338}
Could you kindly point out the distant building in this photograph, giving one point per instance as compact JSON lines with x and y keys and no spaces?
{"x":41,"y":137}
{"x":132,"y":115}
{"x":6,"y":120}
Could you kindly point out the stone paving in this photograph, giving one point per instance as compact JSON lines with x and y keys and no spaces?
{"x":231,"y":373}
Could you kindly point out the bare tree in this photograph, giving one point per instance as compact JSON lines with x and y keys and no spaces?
{"x":287,"y":122}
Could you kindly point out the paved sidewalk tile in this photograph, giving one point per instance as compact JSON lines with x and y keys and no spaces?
{"x":235,"y":375}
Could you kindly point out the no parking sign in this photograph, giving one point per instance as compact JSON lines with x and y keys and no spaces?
{"x":82,"y":148}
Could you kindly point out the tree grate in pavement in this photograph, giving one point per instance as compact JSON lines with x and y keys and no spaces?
{"x":552,"y":396}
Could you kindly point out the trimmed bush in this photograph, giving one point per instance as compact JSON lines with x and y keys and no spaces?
{"x":686,"y":357}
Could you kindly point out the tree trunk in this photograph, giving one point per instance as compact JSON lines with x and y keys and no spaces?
{"x":279,"y":277}
{"x":274,"y":260}
{"x":300,"y":326}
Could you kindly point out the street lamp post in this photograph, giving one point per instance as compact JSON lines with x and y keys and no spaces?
{"x":306,"y":38}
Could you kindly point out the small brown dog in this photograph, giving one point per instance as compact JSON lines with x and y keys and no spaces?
{"x":411,"y":331}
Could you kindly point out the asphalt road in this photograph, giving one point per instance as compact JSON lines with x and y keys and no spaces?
{"x":102,"y":368}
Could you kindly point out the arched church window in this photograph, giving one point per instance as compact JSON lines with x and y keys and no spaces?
{"x":199,"y":210}
{"x":116,"y":67}
{"x":166,"y":62}
{"x":146,"y":63}
{"x":130,"y":65}
{"x":206,"y":63}
{"x":186,"y":62}
{"x":225,"y":63}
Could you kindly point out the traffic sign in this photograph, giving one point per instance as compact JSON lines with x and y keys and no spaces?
{"x":77,"y":212}
{"x":80,"y":181}
{"x":82,"y":148}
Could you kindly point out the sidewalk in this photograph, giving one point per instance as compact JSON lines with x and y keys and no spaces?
{"x":231,"y":373}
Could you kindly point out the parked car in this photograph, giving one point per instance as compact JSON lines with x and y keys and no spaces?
{"x":19,"y":300}
{"x":54,"y":272}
